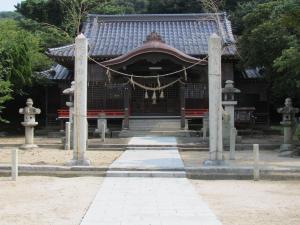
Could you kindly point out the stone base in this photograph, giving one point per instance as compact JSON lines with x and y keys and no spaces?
{"x":75,"y":162}
{"x":28,"y":146}
{"x":288,"y":150}
{"x":209,"y":162}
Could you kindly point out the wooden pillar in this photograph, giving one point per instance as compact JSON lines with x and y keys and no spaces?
{"x":126,"y":108}
{"x":182,"y":106}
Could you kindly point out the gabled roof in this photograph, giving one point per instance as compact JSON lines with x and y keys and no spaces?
{"x":113,"y":35}
{"x":153,"y":44}
{"x":57,"y":72}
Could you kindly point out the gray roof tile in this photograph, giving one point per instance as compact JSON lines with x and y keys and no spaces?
{"x":115,"y":35}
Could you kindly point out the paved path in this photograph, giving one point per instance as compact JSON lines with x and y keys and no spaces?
{"x":149,"y":159}
{"x":148,"y":201}
{"x":152,"y":141}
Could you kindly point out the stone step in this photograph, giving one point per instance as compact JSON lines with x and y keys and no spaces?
{"x":143,"y":133}
{"x":151,"y":148}
{"x":154,"y":124}
{"x":164,"y":174}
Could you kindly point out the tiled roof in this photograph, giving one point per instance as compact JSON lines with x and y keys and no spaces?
{"x":57,"y":72}
{"x":114,"y":35}
{"x":253,"y":73}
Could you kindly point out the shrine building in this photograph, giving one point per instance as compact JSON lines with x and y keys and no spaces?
{"x":151,"y":68}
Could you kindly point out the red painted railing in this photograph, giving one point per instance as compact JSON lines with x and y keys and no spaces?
{"x":94,"y":113}
{"x":195,"y":113}
{"x":117,"y":113}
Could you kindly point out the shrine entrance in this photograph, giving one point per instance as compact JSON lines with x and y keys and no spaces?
{"x":166,"y":103}
{"x":160,"y":81}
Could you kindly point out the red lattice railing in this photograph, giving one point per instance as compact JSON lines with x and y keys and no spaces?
{"x":93,"y":113}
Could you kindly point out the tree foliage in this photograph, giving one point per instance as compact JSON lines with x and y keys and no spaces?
{"x":20,"y":55}
{"x":270,"y":40}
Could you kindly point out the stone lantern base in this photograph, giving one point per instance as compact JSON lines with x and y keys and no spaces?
{"x":28,"y":146}
{"x":288,"y":150}
{"x":75,"y":162}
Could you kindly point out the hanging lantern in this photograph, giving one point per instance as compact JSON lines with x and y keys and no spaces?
{"x":162,"y":95}
{"x":154,"y":98}
{"x":146,"y":94}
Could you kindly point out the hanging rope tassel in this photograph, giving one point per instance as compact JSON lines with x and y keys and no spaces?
{"x":162,"y":95}
{"x":154,"y":98}
{"x":185,"y":73}
{"x":146,"y":94}
{"x":132,"y":82}
{"x":158,"y":82}
{"x":108,"y":74}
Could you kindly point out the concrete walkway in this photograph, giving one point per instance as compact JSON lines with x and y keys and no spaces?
{"x":148,"y":201}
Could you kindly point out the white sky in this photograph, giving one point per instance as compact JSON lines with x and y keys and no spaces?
{"x":8,"y":5}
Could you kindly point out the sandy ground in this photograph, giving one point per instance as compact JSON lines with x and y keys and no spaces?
{"x":63,"y":201}
{"x":253,"y":203}
{"x":44,"y":156}
{"x":268,"y":158}
{"x":44,"y":140}
{"x":46,"y":200}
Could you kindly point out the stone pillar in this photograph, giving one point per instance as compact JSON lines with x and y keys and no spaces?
{"x":232,"y":144}
{"x":80,"y":101}
{"x":14,"y":164}
{"x":215,"y":100}
{"x":289,"y":126}
{"x":205,"y":127}
{"x":182,"y":107}
{"x":101,"y":126}
{"x":29,"y":123}
{"x":68,"y":136}
{"x":126,"y":108}
{"x":256,"y":162}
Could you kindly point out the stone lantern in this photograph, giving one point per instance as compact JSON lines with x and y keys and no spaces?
{"x":29,"y":123}
{"x":289,"y":126}
{"x":70,"y":103}
{"x":68,"y":140}
{"x":229,"y":102}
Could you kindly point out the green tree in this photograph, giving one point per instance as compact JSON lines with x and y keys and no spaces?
{"x":5,"y":91}
{"x":43,"y":11}
{"x":20,"y":55}
{"x":270,"y":40}
{"x":175,"y":6}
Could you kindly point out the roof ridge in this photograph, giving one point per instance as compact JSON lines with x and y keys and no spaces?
{"x":152,"y":17}
{"x":154,"y":14}
{"x":62,"y":47}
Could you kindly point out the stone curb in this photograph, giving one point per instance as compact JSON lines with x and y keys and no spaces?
{"x":210,"y":173}
{"x":181,"y":147}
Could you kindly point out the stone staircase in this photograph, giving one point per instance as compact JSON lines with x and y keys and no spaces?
{"x":154,"y":124}
{"x":154,"y":127}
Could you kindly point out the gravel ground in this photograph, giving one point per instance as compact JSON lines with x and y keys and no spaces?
{"x":252,"y":203}
{"x":44,"y":156}
{"x":46,"y":200}
{"x":35,"y":200}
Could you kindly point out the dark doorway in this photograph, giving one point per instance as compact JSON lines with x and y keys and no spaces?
{"x":166,"y":105}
